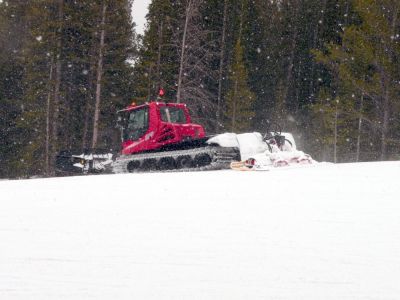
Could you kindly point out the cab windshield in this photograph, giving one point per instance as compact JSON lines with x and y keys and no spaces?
{"x":134,"y":124}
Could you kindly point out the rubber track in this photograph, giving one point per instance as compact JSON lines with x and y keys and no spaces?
{"x":221,"y":158}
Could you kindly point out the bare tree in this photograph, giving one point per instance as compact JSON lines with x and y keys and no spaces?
{"x":196,"y":51}
{"x":57,"y":85}
{"x":359,"y":130}
{"x":188,"y":16}
{"x":221,"y":64}
{"x":99,"y":77}
{"x":48,"y":112}
{"x":89,"y":100}
{"x":386,"y":80}
{"x":318,"y":30}
{"x":293,"y":45}
{"x":335,"y":137}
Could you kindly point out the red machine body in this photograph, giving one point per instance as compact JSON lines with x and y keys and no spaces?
{"x":156,"y":125}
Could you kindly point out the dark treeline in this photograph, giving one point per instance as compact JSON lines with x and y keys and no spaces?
{"x":326,"y":70}
{"x":64,"y":71}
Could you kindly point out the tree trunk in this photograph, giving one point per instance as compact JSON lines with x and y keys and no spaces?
{"x":347,"y":10}
{"x":315,"y":45}
{"x":149,"y":83}
{"x":235,"y":89}
{"x":86,"y":124}
{"x":335,"y":134}
{"x":98,"y":79}
{"x":385,"y":124}
{"x":158,"y":67}
{"x":183,"y":46}
{"x":360,"y":121}
{"x":48,"y":107}
{"x":88,"y":106}
{"x":68,"y":99}
{"x":235,"y":92}
{"x":57,"y":85}
{"x":385,"y":81}
{"x":221,"y":66}
{"x":289,"y":72}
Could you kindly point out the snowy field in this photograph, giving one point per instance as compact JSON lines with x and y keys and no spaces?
{"x":326,"y":232}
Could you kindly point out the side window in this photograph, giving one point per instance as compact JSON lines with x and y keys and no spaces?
{"x":176,"y":115}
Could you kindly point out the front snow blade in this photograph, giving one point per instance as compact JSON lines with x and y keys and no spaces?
{"x":95,"y":162}
{"x":69,"y":164}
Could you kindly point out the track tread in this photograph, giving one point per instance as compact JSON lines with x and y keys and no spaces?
{"x":220,"y":159}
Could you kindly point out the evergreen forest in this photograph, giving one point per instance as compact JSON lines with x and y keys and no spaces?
{"x":326,"y":70}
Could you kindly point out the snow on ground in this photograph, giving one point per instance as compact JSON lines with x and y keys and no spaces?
{"x":325,"y":232}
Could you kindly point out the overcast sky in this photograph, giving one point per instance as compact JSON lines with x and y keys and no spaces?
{"x":139,"y":11}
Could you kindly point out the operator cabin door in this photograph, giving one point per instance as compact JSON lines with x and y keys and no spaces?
{"x":175,"y":116}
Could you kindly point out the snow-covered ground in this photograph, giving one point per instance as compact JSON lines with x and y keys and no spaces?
{"x":325,"y":232}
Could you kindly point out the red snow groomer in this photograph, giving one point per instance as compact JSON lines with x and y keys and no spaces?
{"x":159,"y":136}
{"x":154,"y":136}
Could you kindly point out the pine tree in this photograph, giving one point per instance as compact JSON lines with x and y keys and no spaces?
{"x":333,"y":117}
{"x":222,"y":58}
{"x":61,"y":58}
{"x":196,"y":70}
{"x":219,"y":22}
{"x":118,"y":82}
{"x":362,"y":65}
{"x":157,"y":63}
{"x":38,"y":116}
{"x":239,"y":99}
{"x":13,"y":26}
